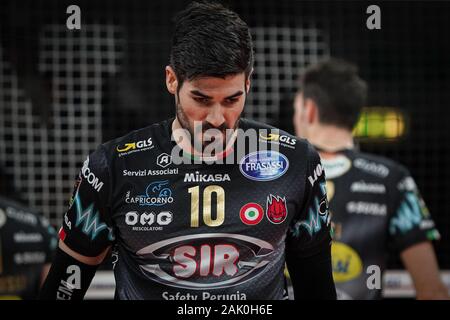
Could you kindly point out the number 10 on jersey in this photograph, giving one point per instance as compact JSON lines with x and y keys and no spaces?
{"x":207,"y":204}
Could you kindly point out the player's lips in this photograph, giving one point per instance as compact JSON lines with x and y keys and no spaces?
{"x":209,"y":136}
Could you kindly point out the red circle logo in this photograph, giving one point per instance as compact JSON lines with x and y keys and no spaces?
{"x":251,"y":214}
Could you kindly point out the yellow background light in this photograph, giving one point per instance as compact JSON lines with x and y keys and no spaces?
{"x":380,"y":123}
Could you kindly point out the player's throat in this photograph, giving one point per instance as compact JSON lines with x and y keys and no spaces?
{"x":183,"y":140}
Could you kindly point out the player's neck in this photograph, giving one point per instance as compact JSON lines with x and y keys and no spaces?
{"x":330,"y":138}
{"x":185,"y":144}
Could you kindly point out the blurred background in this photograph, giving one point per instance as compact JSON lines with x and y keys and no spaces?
{"x":63,"y":92}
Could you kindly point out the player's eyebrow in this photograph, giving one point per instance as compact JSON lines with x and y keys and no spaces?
{"x":237,"y":94}
{"x":198,"y":93}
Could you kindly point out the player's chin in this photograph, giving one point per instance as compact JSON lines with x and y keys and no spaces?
{"x":216,"y":146}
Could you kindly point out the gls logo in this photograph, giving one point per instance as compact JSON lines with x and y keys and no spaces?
{"x":206,"y":261}
{"x":145,"y":220}
{"x":134,"y":147}
{"x":274,"y":137}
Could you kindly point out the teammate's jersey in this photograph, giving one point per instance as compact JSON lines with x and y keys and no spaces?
{"x":199,"y":231}
{"x":27,"y":242}
{"x":376,"y":207}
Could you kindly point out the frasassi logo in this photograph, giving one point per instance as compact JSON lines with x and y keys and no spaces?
{"x":264,"y":165}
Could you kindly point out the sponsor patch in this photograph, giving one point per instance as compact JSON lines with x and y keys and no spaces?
{"x":363,"y":187}
{"x":157,"y":194}
{"x":251,"y":214}
{"x":132,"y":147}
{"x":276,"y":209}
{"x":264,"y":165}
{"x":371,"y":167}
{"x":205,"y":261}
{"x":336,"y":166}
{"x":276,"y":138}
{"x":148,"y":221}
{"x":347,"y":264}
{"x":366,"y":208}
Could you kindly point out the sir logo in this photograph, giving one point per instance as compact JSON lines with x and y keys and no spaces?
{"x":203,"y":261}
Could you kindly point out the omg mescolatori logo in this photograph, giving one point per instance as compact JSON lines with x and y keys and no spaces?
{"x":264,"y":165}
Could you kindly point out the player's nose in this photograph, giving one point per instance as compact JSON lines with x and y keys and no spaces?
{"x":215,"y":116}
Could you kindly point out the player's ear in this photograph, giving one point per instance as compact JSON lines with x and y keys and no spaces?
{"x":171,"y":80}
{"x":248,"y":82}
{"x":312,"y":111}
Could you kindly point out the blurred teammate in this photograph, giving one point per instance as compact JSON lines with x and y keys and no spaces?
{"x":374,"y":202}
{"x":200,"y":230}
{"x":27,"y":244}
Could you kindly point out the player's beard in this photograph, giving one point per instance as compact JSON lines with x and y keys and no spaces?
{"x":184,"y":123}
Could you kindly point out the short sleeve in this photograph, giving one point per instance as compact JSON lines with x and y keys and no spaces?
{"x":309,"y":231}
{"x":86,"y":228}
{"x":410,"y":222}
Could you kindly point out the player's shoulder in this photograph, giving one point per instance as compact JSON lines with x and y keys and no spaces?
{"x":376,"y":165}
{"x":136,"y":141}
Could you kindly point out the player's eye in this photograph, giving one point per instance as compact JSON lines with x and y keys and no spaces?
{"x":231,"y":100}
{"x":201,"y":100}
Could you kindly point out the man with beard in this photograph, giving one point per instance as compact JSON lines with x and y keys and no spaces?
{"x":187,"y":217}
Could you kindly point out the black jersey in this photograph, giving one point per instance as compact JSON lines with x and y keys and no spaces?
{"x":27,"y":242}
{"x":199,"y":231}
{"x":376,"y":208}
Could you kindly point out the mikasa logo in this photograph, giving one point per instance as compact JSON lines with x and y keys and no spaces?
{"x":197,"y":177}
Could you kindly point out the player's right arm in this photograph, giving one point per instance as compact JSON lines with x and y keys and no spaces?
{"x":86,"y":233}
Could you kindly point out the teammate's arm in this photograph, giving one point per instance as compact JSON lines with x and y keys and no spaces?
{"x":425,"y":276}
{"x":308,"y":244}
{"x":44,"y":272}
{"x":412,"y":229}
{"x":50,"y":244}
